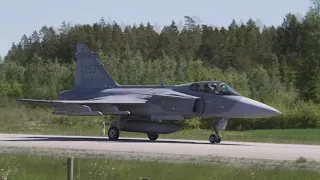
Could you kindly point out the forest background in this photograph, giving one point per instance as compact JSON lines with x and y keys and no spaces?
{"x":276,"y":65}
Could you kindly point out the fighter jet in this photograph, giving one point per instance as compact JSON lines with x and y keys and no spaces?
{"x":145,"y":108}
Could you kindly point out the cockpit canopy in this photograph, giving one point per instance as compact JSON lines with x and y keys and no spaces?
{"x":213,"y":87}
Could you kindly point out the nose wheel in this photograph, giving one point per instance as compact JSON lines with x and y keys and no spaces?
{"x":217,"y":125}
{"x":215,"y":138}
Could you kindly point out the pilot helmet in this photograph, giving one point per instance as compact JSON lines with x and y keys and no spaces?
{"x":224,"y":88}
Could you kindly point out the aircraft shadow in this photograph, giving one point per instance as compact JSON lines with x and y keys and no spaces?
{"x":62,"y":138}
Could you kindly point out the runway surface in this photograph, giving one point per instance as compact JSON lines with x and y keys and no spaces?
{"x":165,"y":146}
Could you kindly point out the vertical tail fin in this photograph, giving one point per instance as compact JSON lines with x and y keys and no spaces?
{"x":89,"y":72}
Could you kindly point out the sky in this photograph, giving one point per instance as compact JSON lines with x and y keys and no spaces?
{"x":18,"y":17}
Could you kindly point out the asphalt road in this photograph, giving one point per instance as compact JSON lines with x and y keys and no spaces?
{"x":164,"y":146}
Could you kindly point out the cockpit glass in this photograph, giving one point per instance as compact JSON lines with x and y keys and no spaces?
{"x":217,"y":88}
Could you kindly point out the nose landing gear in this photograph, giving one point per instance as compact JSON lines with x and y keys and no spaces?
{"x":215,"y":138}
{"x":217,"y":125}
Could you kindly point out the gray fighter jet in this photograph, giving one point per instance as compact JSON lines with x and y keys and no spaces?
{"x":145,"y":108}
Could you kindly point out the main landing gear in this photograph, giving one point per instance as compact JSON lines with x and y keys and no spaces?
{"x":114,"y":134}
{"x":153,"y":136}
{"x":217,"y":125}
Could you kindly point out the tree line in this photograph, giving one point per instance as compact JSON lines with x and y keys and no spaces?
{"x":276,"y":65}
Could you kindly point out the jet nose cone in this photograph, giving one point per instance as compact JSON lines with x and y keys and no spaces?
{"x":248,"y":108}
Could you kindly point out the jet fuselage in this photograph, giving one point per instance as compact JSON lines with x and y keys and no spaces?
{"x":181,"y":103}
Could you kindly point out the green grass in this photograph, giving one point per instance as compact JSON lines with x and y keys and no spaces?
{"x":25,"y":167}
{"x":16,"y":119}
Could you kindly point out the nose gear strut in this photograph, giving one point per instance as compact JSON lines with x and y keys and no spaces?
{"x":218,"y":124}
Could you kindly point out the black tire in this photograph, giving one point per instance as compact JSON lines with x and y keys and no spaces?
{"x":218,"y":139}
{"x":213,"y":138}
{"x":113,"y":133}
{"x":153,"y":136}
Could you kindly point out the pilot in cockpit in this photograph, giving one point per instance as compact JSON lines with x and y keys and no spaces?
{"x":208,"y":88}
{"x":214,"y":86}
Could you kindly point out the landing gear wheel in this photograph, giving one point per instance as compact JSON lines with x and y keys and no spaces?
{"x":153,"y":136}
{"x":217,"y":125}
{"x":213,"y":138}
{"x":218,"y":139}
{"x":113,"y":133}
